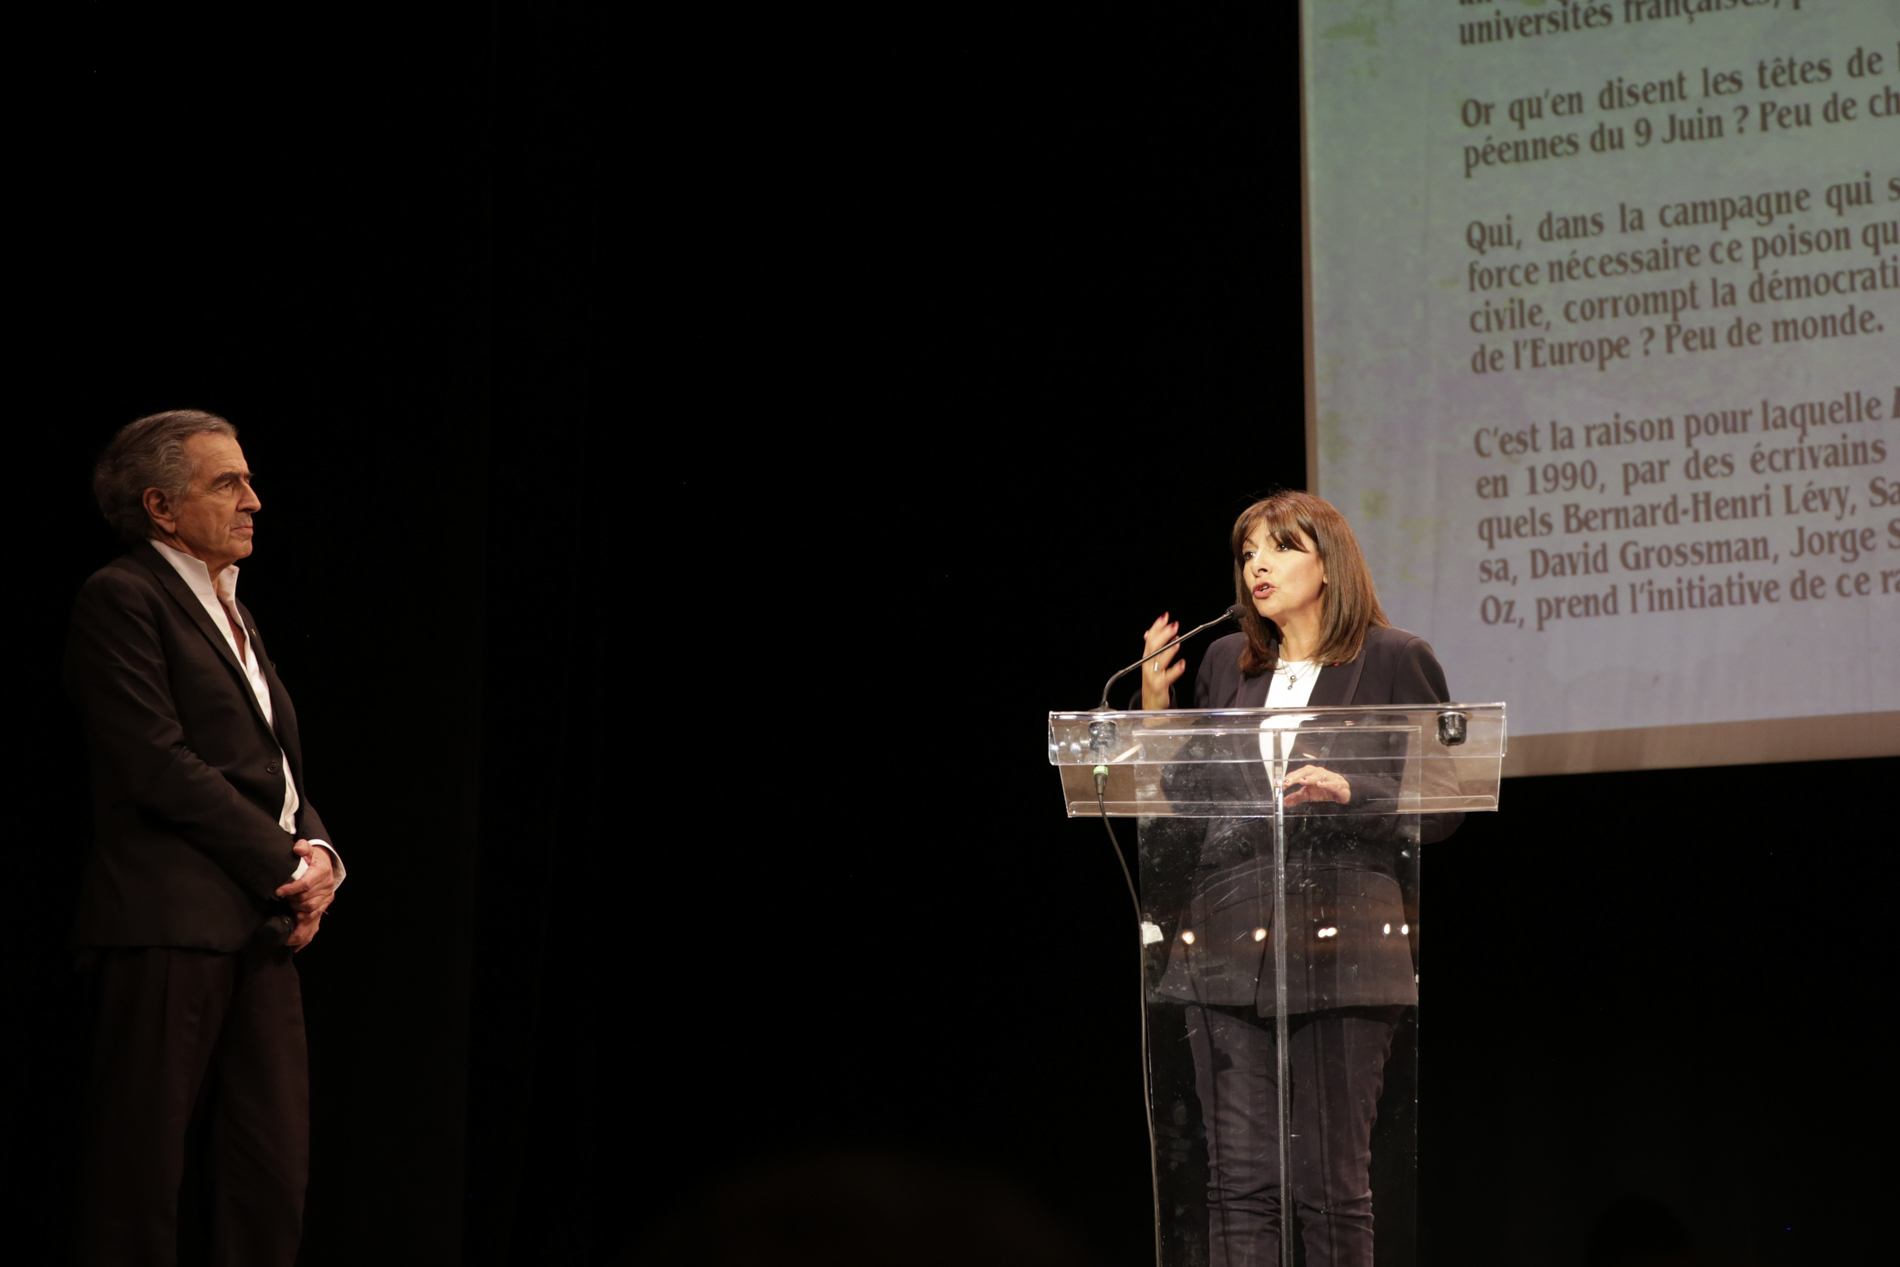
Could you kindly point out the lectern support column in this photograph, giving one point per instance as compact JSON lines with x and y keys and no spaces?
{"x":1281,"y":1071}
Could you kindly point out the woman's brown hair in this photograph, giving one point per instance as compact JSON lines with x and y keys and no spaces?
{"x":1348,"y":604}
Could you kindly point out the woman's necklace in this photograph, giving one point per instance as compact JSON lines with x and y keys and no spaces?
{"x":1293,"y":674}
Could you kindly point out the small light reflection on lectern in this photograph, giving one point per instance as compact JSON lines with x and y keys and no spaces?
{"x":1259,"y":934}
{"x":1329,"y":932}
{"x":1187,"y":935}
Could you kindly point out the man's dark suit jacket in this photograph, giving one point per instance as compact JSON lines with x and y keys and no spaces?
{"x":1343,"y":868}
{"x":187,"y":779}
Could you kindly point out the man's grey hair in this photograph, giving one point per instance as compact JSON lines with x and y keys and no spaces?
{"x":150,"y":453}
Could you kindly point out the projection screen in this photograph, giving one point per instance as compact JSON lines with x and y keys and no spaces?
{"x":1603,"y":339}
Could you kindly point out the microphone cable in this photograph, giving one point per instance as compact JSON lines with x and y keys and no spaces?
{"x":1141,"y":950}
{"x":1134,"y":897}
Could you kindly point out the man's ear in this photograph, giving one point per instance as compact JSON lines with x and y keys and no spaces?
{"x":158,"y":509}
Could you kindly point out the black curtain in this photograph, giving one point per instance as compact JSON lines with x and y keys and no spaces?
{"x":286,"y":219}
{"x":695,"y":456}
{"x":559,"y":805}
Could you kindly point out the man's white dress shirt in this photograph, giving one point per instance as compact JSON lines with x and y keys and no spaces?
{"x":220,"y":603}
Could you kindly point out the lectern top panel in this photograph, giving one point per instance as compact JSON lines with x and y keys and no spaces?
{"x":1439,"y":758}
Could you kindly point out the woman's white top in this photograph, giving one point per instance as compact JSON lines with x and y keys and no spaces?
{"x":1291,"y":687}
{"x":1292,"y":683}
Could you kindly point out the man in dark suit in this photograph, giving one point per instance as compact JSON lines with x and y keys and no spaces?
{"x":209,"y":868}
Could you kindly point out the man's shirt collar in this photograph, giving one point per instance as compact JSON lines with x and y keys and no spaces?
{"x":198,"y":575}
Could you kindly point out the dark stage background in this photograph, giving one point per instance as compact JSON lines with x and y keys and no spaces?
{"x":694,"y":461}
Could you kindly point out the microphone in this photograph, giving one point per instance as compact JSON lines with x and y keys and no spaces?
{"x":1232,"y":613}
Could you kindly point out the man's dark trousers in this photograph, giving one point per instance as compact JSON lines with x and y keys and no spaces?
{"x":199,"y":1086}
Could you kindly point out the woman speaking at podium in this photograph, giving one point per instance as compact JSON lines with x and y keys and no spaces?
{"x":1312,"y":635}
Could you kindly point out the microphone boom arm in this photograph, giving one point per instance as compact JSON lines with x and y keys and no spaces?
{"x":1230,"y":614}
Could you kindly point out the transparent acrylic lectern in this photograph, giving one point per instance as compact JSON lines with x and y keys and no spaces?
{"x":1279,"y":950}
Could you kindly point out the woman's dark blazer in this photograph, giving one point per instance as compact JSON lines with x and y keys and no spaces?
{"x":1342,"y":869}
{"x":1394,"y":666}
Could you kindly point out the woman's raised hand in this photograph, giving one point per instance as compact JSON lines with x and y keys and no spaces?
{"x":1160,"y":673}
